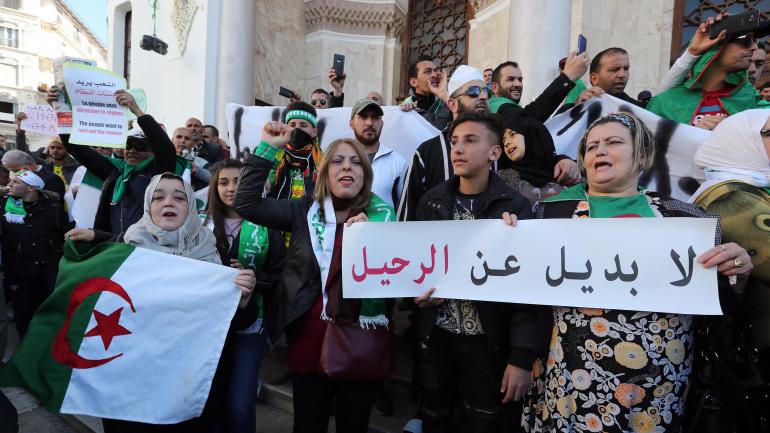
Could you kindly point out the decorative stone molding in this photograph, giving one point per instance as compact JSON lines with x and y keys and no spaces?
{"x":343,"y":16}
{"x":182,"y":17}
{"x":479,"y":5}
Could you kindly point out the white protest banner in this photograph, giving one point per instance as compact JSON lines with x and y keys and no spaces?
{"x":638,"y":264}
{"x":41,"y":119}
{"x":97,"y":119}
{"x":674,"y":173}
{"x":401,"y":131}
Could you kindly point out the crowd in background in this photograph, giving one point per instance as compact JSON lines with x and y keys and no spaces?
{"x":277,"y":212}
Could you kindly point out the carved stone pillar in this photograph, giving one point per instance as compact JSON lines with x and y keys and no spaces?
{"x":537,"y":47}
{"x":366,"y":33}
{"x":235,"y":60}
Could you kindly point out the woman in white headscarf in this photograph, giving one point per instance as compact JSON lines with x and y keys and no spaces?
{"x":736,"y":163}
{"x":171,"y":224}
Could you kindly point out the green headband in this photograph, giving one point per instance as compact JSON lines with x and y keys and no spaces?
{"x":300,"y":114}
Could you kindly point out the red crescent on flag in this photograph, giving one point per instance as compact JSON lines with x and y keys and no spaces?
{"x":61,"y":349}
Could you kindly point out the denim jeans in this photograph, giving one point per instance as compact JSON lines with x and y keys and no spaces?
{"x":244,"y":383}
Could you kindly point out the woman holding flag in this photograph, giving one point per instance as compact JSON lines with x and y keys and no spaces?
{"x":309,"y":306}
{"x":171,"y":224}
{"x":244,"y":245}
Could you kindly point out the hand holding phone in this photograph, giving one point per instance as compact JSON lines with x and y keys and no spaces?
{"x":286,"y":93}
{"x":582,"y":44}
{"x":339,"y":65}
{"x":735,"y":25}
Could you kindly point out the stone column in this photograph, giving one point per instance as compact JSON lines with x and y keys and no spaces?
{"x":539,"y":34}
{"x":235,"y":58}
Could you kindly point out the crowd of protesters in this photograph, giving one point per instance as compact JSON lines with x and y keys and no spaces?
{"x":278,"y":215}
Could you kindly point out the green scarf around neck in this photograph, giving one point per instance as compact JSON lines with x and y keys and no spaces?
{"x":126,"y":172}
{"x":14,"y":210}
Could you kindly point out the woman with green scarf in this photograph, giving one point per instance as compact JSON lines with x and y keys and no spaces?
{"x":309,"y":307}
{"x":613,"y":370}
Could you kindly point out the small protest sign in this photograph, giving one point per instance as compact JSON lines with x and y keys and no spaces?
{"x":97,"y":118}
{"x":41,"y":119}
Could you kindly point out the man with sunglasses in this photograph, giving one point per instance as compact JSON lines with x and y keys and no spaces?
{"x":718,"y":85}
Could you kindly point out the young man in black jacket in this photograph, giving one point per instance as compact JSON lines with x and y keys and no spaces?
{"x":485,"y":349}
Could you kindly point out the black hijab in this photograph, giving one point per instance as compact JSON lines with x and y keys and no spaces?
{"x":536,"y":166}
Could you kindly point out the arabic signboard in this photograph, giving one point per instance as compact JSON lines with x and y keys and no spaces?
{"x":97,"y":119}
{"x":41,"y":119}
{"x":637,"y":264}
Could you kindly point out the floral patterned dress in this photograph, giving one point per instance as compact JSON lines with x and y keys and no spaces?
{"x":612,"y":370}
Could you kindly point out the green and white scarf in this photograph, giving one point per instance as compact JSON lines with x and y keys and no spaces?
{"x":14,"y":210}
{"x":322,"y":233}
{"x":253,"y":244}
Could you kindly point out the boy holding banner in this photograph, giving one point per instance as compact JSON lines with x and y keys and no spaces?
{"x":487,"y":348}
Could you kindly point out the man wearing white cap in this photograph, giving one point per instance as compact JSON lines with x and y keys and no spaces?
{"x":33,"y":226}
{"x":466,"y":91}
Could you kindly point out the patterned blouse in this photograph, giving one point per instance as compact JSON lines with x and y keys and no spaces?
{"x":612,"y":370}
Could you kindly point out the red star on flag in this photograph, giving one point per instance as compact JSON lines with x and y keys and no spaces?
{"x":107,"y":327}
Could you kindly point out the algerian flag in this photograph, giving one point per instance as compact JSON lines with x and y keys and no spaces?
{"x":83,"y":209}
{"x":202,"y":199}
{"x":128,"y":333}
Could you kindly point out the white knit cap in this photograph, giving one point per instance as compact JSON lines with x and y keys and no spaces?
{"x":462,"y":75}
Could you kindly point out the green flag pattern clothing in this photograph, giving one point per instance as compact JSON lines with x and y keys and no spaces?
{"x":681,"y":103}
{"x":129,"y":334}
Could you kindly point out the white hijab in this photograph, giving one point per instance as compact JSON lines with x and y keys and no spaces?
{"x":735,"y":151}
{"x":191,"y":240}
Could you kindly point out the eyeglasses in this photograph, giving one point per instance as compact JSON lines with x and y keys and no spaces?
{"x":318,"y":101}
{"x":746,"y":41}
{"x":473,"y":92}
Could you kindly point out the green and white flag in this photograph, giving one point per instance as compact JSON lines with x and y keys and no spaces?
{"x":128,"y":333}
{"x":86,"y":202}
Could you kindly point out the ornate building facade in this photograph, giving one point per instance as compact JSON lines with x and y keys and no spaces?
{"x":32,"y":34}
{"x":241,"y":51}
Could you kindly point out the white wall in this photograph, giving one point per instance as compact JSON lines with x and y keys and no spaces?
{"x":178,"y":86}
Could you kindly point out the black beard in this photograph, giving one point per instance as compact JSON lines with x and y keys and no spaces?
{"x":367,"y":143}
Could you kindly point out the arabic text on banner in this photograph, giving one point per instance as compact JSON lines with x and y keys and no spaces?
{"x":636,"y":264}
{"x":97,"y":119}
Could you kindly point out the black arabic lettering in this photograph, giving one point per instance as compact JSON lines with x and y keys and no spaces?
{"x":619,"y":273}
{"x":482,"y":280}
{"x":509,"y":269}
{"x":686,"y":276}
{"x":553,"y":282}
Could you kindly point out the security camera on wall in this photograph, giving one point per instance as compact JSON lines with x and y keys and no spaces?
{"x":151,"y":43}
